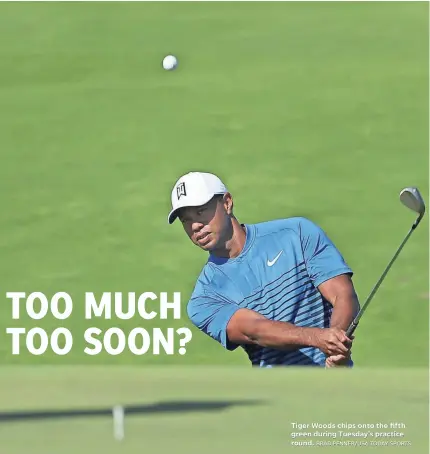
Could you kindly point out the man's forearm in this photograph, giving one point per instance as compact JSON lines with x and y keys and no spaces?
{"x":282,"y":335}
{"x":249,"y":327}
{"x":345,"y":308}
{"x":340,"y":293}
{"x":344,"y":311}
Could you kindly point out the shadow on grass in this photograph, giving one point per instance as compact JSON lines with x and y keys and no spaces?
{"x":156,"y":408}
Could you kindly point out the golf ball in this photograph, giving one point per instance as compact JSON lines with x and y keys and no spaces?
{"x":170,"y":62}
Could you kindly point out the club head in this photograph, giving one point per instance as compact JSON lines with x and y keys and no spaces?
{"x":411,"y":198}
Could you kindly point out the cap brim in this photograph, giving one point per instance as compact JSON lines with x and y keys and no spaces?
{"x":174,"y":213}
{"x":172,"y":216}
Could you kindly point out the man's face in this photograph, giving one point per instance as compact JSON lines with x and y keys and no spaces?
{"x":207,"y":225}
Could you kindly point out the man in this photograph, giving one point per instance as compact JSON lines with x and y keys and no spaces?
{"x":279,"y":289}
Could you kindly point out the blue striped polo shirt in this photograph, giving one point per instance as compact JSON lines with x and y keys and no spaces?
{"x":277,"y":274}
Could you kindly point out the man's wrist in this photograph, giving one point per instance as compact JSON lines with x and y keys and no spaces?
{"x":311,"y":337}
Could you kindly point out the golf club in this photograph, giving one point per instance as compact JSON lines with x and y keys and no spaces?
{"x":411,"y":198}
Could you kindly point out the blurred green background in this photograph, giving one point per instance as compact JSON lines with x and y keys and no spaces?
{"x":224,"y":409}
{"x":304,"y":109}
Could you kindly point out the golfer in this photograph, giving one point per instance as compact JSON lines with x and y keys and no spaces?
{"x":278,"y":289}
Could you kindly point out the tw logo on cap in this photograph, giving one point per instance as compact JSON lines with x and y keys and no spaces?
{"x":180,"y":190}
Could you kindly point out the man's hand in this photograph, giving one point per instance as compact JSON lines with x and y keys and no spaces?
{"x":338,"y":361}
{"x":333,"y":342}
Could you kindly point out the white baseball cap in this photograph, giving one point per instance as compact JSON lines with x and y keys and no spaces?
{"x":194,"y":189}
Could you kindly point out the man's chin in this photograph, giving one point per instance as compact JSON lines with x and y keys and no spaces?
{"x":209,"y":246}
{"x":206,"y":247}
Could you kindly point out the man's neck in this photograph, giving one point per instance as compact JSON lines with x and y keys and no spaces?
{"x":235,"y":244}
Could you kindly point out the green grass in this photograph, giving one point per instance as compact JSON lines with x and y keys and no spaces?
{"x":264,"y":404}
{"x":305,"y":109}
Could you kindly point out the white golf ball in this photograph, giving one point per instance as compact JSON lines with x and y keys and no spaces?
{"x":170,"y":62}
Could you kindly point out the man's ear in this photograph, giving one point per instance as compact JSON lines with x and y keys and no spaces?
{"x":228,"y":203}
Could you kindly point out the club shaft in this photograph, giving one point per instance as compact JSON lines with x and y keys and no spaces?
{"x":354,"y":324}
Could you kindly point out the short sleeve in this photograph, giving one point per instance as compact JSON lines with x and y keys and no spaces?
{"x":323,"y":260}
{"x":211,"y":315}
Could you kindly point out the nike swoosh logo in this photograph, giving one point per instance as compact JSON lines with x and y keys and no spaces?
{"x":272,"y":262}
